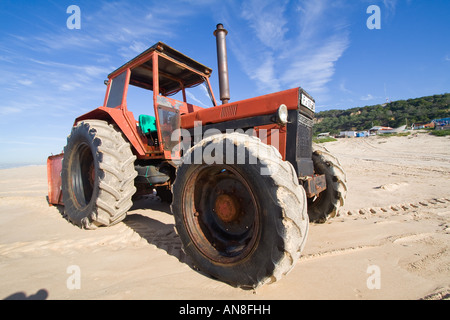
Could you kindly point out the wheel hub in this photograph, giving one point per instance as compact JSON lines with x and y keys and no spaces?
{"x":227,"y":208}
{"x":221,"y":213}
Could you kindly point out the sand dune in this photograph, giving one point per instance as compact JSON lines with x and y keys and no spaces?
{"x":391,"y":240}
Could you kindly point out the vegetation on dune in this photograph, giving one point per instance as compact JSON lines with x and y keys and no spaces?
{"x":395,"y":134}
{"x":323,"y":140}
{"x":441,"y":133}
{"x":393,"y":114}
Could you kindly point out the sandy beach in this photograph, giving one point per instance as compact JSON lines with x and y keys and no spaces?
{"x":391,"y":239}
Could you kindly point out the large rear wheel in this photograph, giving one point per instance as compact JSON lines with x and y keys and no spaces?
{"x":245,"y":224}
{"x":97,"y":175}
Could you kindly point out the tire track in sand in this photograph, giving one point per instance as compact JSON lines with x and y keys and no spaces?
{"x":433,"y":203}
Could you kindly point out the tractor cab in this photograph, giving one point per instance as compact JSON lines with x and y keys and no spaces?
{"x":166,"y":72}
{"x":172,"y":70}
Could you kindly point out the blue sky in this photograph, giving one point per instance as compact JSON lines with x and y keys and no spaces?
{"x":51,"y":74}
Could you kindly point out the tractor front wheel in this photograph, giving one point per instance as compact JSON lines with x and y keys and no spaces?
{"x":328,"y":202}
{"x":245,"y":221}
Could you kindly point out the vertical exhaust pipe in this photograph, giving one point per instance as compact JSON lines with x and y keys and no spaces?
{"x":222,"y":63}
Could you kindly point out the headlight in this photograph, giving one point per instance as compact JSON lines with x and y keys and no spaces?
{"x":282,"y":114}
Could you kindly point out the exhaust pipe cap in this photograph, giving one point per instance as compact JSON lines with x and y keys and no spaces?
{"x":219,"y":27}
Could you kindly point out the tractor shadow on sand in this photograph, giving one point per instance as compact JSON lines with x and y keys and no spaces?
{"x":161,"y":234}
{"x":155,"y":232}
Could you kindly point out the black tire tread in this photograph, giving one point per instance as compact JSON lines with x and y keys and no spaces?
{"x":336,"y":175}
{"x":292,"y":227}
{"x":116,"y":174}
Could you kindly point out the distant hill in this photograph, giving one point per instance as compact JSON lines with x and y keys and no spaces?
{"x":393,"y":114}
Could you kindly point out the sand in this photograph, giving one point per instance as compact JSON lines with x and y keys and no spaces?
{"x":391,"y":240}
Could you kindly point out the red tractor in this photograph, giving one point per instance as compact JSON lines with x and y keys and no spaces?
{"x":243,"y":178}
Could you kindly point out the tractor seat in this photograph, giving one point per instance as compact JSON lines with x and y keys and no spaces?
{"x":147,"y":124}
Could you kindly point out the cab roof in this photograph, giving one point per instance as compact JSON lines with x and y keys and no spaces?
{"x":175,"y":70}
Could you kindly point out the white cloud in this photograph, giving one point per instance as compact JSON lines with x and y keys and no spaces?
{"x":265,"y":75}
{"x":267,"y":20}
{"x":192,"y":97}
{"x":343,"y":87}
{"x":280,"y":46}
{"x":323,"y":38}
{"x":115,"y":24}
{"x":94,"y":71}
{"x":132,"y":50}
{"x":25,"y":82}
{"x":4,"y":111}
{"x":64,"y":69}
{"x":367,"y":97}
{"x":310,"y":12}
{"x":70,"y":86}
{"x":66,"y":76}
{"x":390,"y":6}
{"x":315,"y":69}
